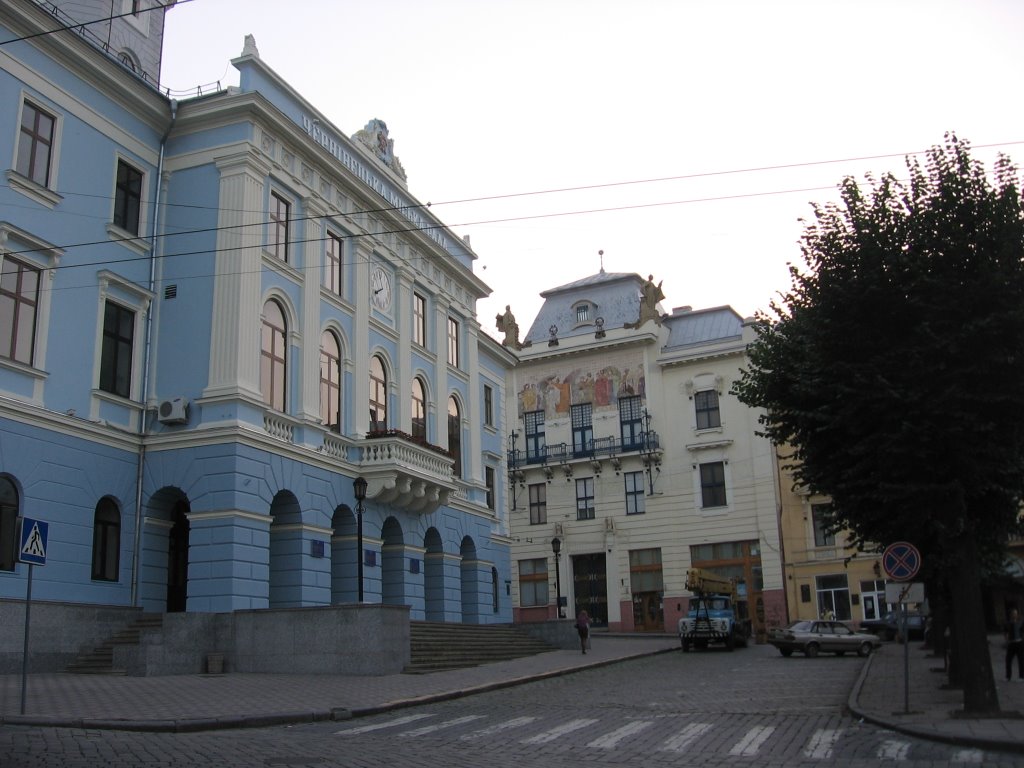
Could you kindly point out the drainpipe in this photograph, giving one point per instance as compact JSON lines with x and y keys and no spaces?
{"x":147,"y":354}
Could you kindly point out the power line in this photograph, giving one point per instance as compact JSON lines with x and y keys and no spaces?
{"x":83,"y":24}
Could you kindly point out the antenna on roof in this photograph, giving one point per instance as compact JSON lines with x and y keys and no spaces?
{"x":601,"y":254}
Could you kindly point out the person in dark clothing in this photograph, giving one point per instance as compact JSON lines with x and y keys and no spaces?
{"x":583,"y":628}
{"x":1014,"y":631}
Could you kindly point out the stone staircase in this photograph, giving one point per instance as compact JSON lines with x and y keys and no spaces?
{"x":100,"y":660}
{"x":438,"y":646}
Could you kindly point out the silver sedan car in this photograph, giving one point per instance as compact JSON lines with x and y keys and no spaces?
{"x":813,"y":637}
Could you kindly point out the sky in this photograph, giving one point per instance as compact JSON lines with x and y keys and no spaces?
{"x":683,"y":139}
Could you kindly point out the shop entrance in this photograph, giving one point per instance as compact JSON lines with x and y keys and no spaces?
{"x":590,"y":587}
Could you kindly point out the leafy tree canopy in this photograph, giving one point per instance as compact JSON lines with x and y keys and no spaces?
{"x":894,"y":365}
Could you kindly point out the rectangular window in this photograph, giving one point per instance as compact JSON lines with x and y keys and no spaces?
{"x":635,"y":493}
{"x":533,"y":582}
{"x":535,"y":448}
{"x":582,"y":313}
{"x":35,"y":144}
{"x":280,"y":210}
{"x":833,"y":596}
{"x":582,"y":429}
{"x":631,"y":422}
{"x":332,"y":263}
{"x":453,"y":342}
{"x":585,"y":498}
{"x":705,"y":403}
{"x":116,"y":350}
{"x":127,"y":197}
{"x":488,"y":406}
{"x":538,"y":503}
{"x":19,"y":299}
{"x":712,"y":484}
{"x":489,"y":483}
{"x":419,"y":320}
{"x":645,"y":570}
{"x":821,"y":517}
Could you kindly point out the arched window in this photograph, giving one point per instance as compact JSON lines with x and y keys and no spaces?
{"x":273,"y":356}
{"x":106,"y":541}
{"x":330,"y":381}
{"x":378,"y":395}
{"x":455,"y":435}
{"x":8,"y":524}
{"x":419,"y":409}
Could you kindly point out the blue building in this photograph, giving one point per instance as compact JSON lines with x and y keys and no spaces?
{"x":216,"y":314}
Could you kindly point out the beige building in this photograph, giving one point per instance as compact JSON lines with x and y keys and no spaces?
{"x":823,"y":572}
{"x":629,"y":460}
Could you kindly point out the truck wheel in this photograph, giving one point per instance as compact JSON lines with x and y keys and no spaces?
{"x":686,"y":645}
{"x":730,"y":642}
{"x":811,"y":650}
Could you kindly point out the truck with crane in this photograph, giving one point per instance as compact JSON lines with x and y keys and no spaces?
{"x":717,"y":613}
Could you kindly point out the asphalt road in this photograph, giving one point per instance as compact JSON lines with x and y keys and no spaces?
{"x":713,"y":708}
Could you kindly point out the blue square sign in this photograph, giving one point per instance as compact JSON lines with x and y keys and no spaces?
{"x":32,"y":541}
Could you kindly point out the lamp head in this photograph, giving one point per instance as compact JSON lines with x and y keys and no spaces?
{"x":359,"y":486}
{"x":556,"y":545}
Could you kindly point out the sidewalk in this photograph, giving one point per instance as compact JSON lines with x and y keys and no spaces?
{"x":206,"y":702}
{"x":880,"y":696}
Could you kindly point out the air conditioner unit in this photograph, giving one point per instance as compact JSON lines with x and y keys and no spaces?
{"x":173,"y":411}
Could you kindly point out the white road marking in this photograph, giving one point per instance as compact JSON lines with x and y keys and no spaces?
{"x":515,"y":722}
{"x":380,"y":726}
{"x":679,"y":742}
{"x":820,"y":746}
{"x":751,"y":743}
{"x":610,"y":740}
{"x":890,"y":749}
{"x":968,"y":756}
{"x":554,"y":733}
{"x":438,"y":726}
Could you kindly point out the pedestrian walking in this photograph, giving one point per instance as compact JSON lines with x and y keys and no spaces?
{"x":583,"y":628}
{"x":1014,"y":632}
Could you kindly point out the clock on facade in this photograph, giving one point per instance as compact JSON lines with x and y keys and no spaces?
{"x":380,"y":288}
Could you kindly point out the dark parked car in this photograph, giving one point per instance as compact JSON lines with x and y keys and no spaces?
{"x":813,"y":637}
{"x":887,"y":627}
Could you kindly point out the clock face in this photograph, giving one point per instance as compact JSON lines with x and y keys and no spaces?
{"x":380,"y":288}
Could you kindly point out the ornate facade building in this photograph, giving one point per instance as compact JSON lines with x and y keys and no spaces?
{"x":630,"y":461}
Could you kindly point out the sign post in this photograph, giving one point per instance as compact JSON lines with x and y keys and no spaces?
{"x":901,"y":562}
{"x":32,"y":538}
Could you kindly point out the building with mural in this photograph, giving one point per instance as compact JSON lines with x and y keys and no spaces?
{"x":217,"y":314}
{"x":630,"y":461}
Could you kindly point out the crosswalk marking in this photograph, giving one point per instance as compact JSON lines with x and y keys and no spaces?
{"x":609,"y":740}
{"x":438,"y":726}
{"x":968,"y":756}
{"x":554,"y":733}
{"x":751,"y":743}
{"x":380,"y":726}
{"x":821,"y":743}
{"x":679,"y":742}
{"x":515,"y":722}
{"x":890,"y":749}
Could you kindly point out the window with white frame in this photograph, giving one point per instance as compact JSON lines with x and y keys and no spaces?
{"x":280,"y":220}
{"x":35,"y":144}
{"x":631,"y":423}
{"x":489,"y":485}
{"x":821,"y":520}
{"x":833,"y":596}
{"x":273,"y":356}
{"x":333,"y":250}
{"x":635,"y":499}
{"x":453,"y":342}
{"x":712,"y":484}
{"x":582,"y":418}
{"x":488,"y":406}
{"x":419,"y":320}
{"x":127,"y":197}
{"x":455,"y":435}
{"x":585,"y":498}
{"x":705,"y":405}
{"x":533,"y":582}
{"x":19,"y":303}
{"x":378,"y":395}
{"x":330,"y":381}
{"x":534,"y":424}
{"x":116,"y":349}
{"x":419,"y":409}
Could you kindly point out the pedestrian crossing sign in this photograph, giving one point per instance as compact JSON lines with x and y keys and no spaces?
{"x":32,"y":538}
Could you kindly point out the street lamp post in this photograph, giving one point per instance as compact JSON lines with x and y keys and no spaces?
{"x":359,"y":486}
{"x":556,"y":547}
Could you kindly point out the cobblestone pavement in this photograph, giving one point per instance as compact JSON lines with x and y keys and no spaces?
{"x":714,"y":708}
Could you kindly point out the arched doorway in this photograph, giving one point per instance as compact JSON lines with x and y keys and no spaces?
{"x":286,"y":551}
{"x":470,"y":582}
{"x":177,"y":558}
{"x":433,"y":575}
{"x":344,"y":570}
{"x":392,"y":563}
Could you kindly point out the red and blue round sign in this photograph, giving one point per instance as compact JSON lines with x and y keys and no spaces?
{"x":901,"y":561}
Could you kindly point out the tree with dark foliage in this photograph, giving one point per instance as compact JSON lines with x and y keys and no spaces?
{"x":894,"y":366}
